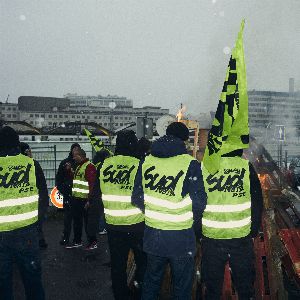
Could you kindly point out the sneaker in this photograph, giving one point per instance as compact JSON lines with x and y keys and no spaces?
{"x":91,"y":246}
{"x":104,"y":231}
{"x":73,"y":245}
{"x":64,"y":242}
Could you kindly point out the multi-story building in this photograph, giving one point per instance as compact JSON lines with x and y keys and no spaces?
{"x":9,"y":111}
{"x":268,"y":110}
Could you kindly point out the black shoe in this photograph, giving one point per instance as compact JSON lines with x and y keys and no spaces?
{"x":73,"y":245}
{"x":64,"y":242}
{"x":43,"y":244}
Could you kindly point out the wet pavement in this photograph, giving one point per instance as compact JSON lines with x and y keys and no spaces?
{"x":71,"y":273}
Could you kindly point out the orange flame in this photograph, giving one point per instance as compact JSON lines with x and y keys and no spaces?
{"x":179,"y":115}
{"x":264,"y":181}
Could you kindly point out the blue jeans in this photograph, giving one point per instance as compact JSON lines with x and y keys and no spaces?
{"x":21,"y":246}
{"x":182,"y":270}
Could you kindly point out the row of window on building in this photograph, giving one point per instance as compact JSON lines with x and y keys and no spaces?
{"x":82,"y":116}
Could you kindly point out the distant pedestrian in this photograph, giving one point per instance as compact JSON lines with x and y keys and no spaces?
{"x":26,"y":150}
{"x":63,"y":181}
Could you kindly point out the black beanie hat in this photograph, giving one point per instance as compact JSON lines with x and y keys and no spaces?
{"x":179,"y":130}
{"x":126,"y":143}
{"x":9,"y":138}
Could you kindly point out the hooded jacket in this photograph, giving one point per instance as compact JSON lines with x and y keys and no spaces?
{"x":64,"y":177}
{"x":173,"y":243}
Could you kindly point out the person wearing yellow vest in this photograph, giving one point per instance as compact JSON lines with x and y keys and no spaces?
{"x":169,"y":189}
{"x":82,"y":187}
{"x":231,"y":219}
{"x":26,"y":150}
{"x":21,"y":207}
{"x":124,"y":221}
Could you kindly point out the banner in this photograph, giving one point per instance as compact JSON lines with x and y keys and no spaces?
{"x":230,"y":129}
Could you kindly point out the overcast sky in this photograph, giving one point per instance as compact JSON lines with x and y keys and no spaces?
{"x":155,"y":52}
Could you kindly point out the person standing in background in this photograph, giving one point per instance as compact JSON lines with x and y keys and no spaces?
{"x":82,"y":192}
{"x":63,"y":182}
{"x":26,"y":150}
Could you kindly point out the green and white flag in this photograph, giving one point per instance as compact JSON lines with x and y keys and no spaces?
{"x":95,"y":142}
{"x":230,"y":129}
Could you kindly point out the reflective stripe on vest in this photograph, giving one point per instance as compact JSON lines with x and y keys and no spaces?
{"x":228,"y":211}
{"x":80,"y":187}
{"x":116,"y":198}
{"x":18,"y":192}
{"x":163,"y":178}
{"x":117,"y":176}
{"x":122,"y":212}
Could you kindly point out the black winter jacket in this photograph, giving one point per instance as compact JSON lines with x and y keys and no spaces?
{"x":63,"y":179}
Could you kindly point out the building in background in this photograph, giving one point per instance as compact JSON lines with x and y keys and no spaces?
{"x":268,"y":110}
{"x":48,"y":112}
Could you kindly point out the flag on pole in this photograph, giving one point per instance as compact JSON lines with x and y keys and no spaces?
{"x":95,"y":142}
{"x":230,"y":129}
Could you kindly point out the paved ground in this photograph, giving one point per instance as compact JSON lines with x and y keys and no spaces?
{"x":70,"y":273}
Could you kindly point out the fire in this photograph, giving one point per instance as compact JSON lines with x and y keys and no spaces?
{"x":264,"y":181}
{"x":180,"y":113}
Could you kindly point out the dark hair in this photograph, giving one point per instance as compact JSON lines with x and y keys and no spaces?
{"x":74,"y":146}
{"x":71,"y":149}
{"x":126,"y":143}
{"x":178,"y":130}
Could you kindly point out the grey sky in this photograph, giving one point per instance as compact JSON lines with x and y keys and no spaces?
{"x":156,"y":52}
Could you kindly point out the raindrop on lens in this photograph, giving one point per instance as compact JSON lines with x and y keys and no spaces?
{"x":226,"y":50}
